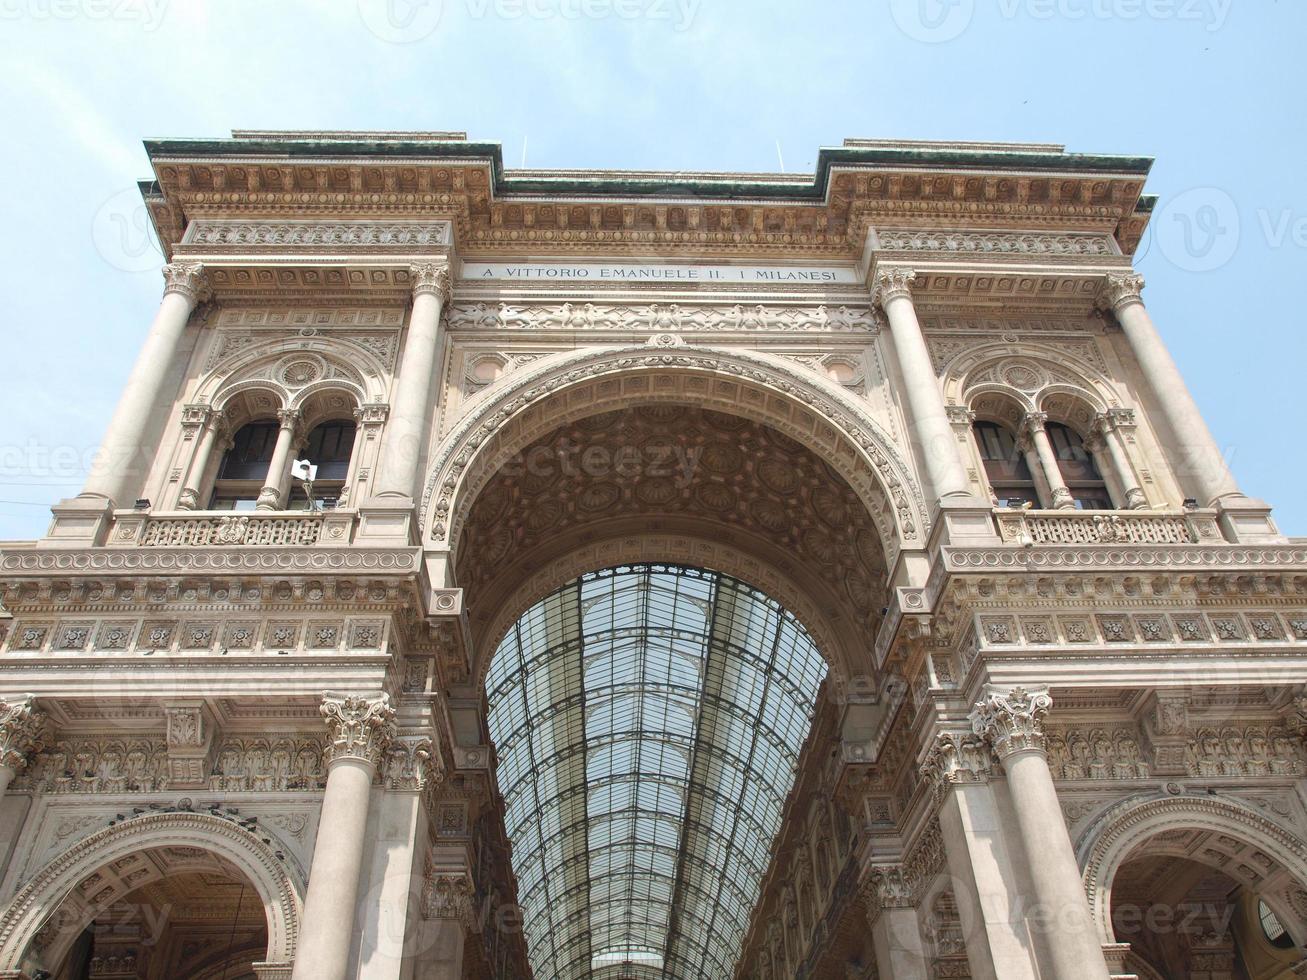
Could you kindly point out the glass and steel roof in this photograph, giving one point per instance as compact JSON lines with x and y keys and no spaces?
{"x":648,"y":721}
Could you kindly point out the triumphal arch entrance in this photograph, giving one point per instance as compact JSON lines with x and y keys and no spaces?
{"x":498,"y":574}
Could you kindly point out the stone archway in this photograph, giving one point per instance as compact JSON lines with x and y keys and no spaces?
{"x":766,"y":389}
{"x":280,"y":885}
{"x":1276,"y":870}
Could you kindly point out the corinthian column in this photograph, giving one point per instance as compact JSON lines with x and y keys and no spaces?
{"x":1198,"y":460}
{"x":211,"y":426}
{"x":933,"y":435}
{"x":21,"y":725}
{"x":360,"y":730}
{"x":1033,"y":429}
{"x":1107,"y":431}
{"x":120,"y":465}
{"x":1012,"y":721}
{"x":275,"y":485}
{"x":406,"y":429}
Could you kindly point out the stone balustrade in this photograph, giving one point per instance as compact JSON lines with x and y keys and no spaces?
{"x":1106,"y":527}
{"x":282,"y":530}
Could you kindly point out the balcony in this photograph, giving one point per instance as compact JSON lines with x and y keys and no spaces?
{"x":1079,"y":527}
{"x":259,"y":529}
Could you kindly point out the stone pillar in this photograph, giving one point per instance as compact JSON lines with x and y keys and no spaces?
{"x":1032,"y":427}
{"x":929,"y":421}
{"x":447,"y":911}
{"x":211,"y":426}
{"x":1198,"y":460}
{"x":1012,"y":721}
{"x":360,"y":730}
{"x":896,"y":934}
{"x":276,"y":484}
{"x":408,"y":424}
{"x":21,"y":727}
{"x":119,"y":466}
{"x":1107,"y":432}
{"x":990,"y":905}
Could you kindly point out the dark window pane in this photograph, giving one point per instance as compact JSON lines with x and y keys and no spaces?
{"x":329,"y":448}
{"x":250,"y":453}
{"x":1005,"y":465}
{"x":1079,"y":471}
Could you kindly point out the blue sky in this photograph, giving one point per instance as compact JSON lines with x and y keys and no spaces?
{"x":1211,"y":88}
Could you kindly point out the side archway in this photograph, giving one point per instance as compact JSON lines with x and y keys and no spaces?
{"x":576,"y":385}
{"x":1108,"y":842}
{"x":39,"y":901}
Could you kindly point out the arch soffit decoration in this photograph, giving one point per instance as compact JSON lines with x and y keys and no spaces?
{"x":334,"y":362}
{"x":280,"y":885}
{"x":1033,"y":376}
{"x":1116,"y":834}
{"x":754,"y":385}
{"x":673,"y":549}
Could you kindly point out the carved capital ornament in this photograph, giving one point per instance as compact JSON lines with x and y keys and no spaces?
{"x":21,"y":728}
{"x":956,"y":757}
{"x":359,"y":728}
{"x":186,"y":278}
{"x":433,"y":279}
{"x":1121,"y":290}
{"x":1012,"y":721}
{"x":892,"y":284}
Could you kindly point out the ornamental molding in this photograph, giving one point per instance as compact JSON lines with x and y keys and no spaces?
{"x":1162,"y":557}
{"x":278,"y":883}
{"x":184,"y":560}
{"x":452,"y":482}
{"x":991,"y":242}
{"x":22,"y":728}
{"x":1012,"y":720}
{"x":238,"y":360}
{"x":412,"y":764}
{"x":665,"y":317}
{"x":360,"y":728}
{"x":351,"y":235}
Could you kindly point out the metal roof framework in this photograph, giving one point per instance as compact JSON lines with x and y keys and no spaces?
{"x":648,"y":721}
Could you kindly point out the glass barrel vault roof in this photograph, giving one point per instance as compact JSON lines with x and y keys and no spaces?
{"x":648,"y":721}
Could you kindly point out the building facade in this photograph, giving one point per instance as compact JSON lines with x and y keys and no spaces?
{"x":701,"y":575}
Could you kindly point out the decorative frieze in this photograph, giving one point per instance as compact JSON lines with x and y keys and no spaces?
{"x":98,"y":765}
{"x":663,"y":317}
{"x":267,"y":765}
{"x":1255,"y":750}
{"x":1022,"y":527}
{"x":360,"y":728}
{"x":318,"y":234}
{"x":996,"y":242}
{"x":447,"y":895}
{"x":1098,"y":754}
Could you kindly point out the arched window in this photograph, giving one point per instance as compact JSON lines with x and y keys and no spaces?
{"x":1005,"y":465}
{"x":1079,"y":471}
{"x":329,"y":448}
{"x":244,"y":466}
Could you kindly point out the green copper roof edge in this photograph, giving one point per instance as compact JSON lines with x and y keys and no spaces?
{"x":671,"y":185}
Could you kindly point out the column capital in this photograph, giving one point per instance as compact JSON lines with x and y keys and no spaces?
{"x":187,"y":279}
{"x":373,"y":413}
{"x":289,"y":418}
{"x":956,"y":757}
{"x":21,"y":729}
{"x":360,"y":727}
{"x":1120,"y":290}
{"x":1012,"y":720}
{"x":892,"y":283}
{"x":1034,"y":421}
{"x":432,"y":278}
{"x":887,"y":888}
{"x":447,"y":894}
{"x":413,"y":765}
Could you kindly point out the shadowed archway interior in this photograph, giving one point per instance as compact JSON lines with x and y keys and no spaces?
{"x":648,"y":721}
